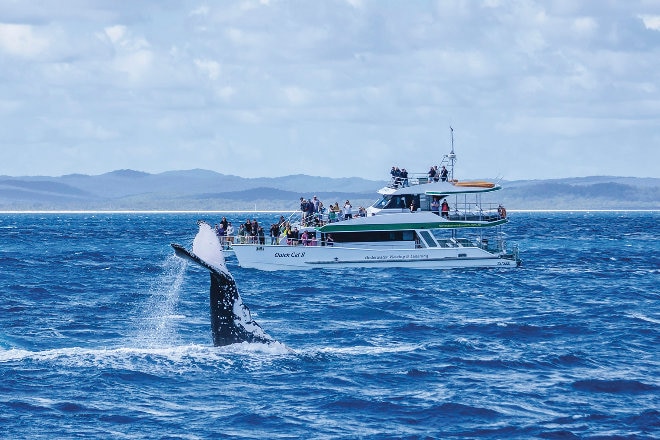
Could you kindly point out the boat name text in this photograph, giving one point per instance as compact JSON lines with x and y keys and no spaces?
{"x":289,"y":255}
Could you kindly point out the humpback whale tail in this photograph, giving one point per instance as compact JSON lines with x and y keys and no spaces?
{"x":231,"y":321}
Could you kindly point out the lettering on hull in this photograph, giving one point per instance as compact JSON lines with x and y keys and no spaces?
{"x":398,"y":257}
{"x":289,"y":255}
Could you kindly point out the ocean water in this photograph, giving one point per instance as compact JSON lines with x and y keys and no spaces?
{"x":105,"y":334}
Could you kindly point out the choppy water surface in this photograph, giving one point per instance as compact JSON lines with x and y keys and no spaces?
{"x":103,"y":333}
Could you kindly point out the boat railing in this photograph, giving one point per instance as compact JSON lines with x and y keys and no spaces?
{"x":413,"y":179}
{"x":467,"y":211}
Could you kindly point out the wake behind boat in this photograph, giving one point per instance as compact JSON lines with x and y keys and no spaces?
{"x":415,"y":223}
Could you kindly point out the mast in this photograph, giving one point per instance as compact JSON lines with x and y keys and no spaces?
{"x":451,"y":156}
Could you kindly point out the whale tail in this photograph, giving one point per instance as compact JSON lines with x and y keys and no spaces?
{"x":231,"y":321}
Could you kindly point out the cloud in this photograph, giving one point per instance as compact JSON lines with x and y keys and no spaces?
{"x":202,"y":11}
{"x":22,"y":40}
{"x":209,"y":67}
{"x":132,"y":55}
{"x":651,"y":22}
{"x":337,"y":75}
{"x":296,"y":95}
{"x":585,"y":25}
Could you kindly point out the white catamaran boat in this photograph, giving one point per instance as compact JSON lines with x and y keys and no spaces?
{"x":404,"y":228}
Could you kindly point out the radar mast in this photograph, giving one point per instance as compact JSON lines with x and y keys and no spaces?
{"x":451,"y":157}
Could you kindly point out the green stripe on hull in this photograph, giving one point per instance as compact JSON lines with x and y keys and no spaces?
{"x":347,"y":227}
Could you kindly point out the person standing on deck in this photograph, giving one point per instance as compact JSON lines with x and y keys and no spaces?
{"x":445,"y":209}
{"x":431,"y":174}
{"x":404,"y":178}
{"x":435,"y":206}
{"x":303,"y":209}
{"x":443,"y":174}
{"x":274,"y":233}
{"x":348,"y":210}
{"x":230,"y":233}
{"x":309,"y":214}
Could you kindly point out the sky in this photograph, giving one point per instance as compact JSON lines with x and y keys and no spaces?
{"x":334,"y":88}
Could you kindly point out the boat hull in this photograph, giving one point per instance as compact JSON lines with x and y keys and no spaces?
{"x":283,"y":257}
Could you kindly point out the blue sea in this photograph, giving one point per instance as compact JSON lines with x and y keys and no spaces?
{"x":105,"y":334}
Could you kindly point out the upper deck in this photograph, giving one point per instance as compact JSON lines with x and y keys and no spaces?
{"x":422,"y":185}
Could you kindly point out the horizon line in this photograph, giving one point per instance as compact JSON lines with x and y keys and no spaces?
{"x":307,"y":175}
{"x":286,"y":211}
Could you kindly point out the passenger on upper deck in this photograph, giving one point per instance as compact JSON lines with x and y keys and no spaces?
{"x":443,"y":174}
{"x":396,"y":177}
{"x":404,"y":177}
{"x":431,"y":174}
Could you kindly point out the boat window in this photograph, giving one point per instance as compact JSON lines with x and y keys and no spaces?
{"x":397,"y":202}
{"x":373,"y":236}
{"x":426,"y":235}
{"x":382,"y":203}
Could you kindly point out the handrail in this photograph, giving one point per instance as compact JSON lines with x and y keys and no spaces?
{"x":413,"y":179}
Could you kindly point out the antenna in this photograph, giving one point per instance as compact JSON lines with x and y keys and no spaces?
{"x":452,"y":156}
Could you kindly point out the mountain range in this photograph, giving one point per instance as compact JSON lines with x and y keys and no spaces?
{"x":203,"y":190}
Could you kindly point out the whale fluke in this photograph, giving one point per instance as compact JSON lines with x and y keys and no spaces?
{"x":231,"y":321}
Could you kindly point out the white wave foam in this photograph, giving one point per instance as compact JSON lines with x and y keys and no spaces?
{"x":644,"y":318}
{"x":192,"y":356}
{"x":373,"y":350}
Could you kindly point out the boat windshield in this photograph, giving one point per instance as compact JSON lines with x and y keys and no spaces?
{"x":396,"y":202}
{"x":380,"y":204}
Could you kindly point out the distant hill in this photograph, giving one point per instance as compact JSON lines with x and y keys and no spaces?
{"x":201,"y":190}
{"x":177,"y":190}
{"x":595,"y":192}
